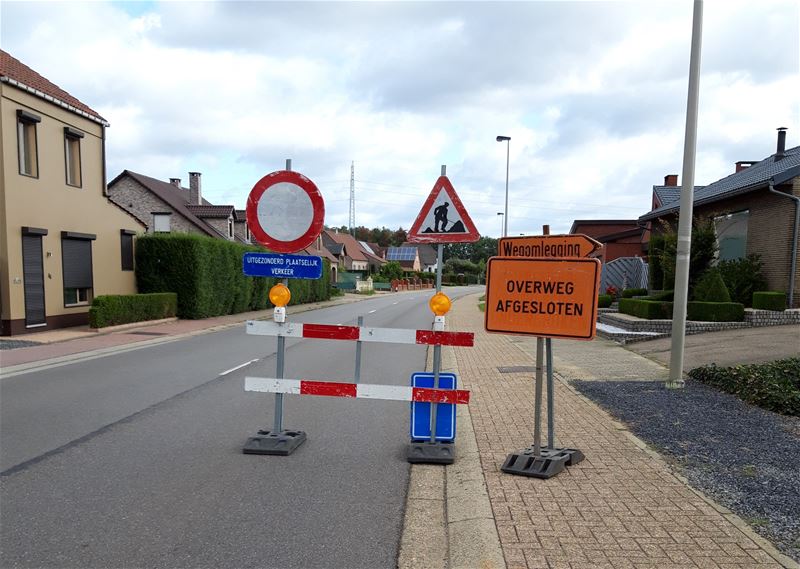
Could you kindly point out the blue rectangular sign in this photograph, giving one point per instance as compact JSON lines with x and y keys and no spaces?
{"x":445,"y":412}
{"x":282,"y":266}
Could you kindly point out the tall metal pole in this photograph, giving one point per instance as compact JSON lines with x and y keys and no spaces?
{"x":505,"y":214}
{"x":686,"y":207}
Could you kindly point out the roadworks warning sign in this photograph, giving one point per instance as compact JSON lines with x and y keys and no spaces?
{"x":553,"y":298}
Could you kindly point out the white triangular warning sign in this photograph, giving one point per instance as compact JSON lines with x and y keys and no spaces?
{"x":443,"y":218}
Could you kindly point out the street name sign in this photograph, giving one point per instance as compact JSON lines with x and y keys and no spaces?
{"x":285,"y":211}
{"x":553,"y":298}
{"x":282,"y":266}
{"x":558,"y":246}
{"x":421,"y":412}
{"x":443,"y":218}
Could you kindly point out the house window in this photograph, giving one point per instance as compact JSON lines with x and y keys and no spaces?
{"x":72,"y":155}
{"x":126,"y":243}
{"x":247,"y":232}
{"x":731,"y":230}
{"x":76,"y":262}
{"x":230,"y":228}
{"x":26,"y":143}
{"x":161,"y":222}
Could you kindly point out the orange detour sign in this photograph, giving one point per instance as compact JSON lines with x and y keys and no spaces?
{"x":575,"y":245}
{"x":554,"y":298}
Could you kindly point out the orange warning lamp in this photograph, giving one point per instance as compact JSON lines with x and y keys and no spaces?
{"x":280,"y":295}
{"x":440,"y":304}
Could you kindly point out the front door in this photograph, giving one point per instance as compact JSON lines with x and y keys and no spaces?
{"x":33,"y":277}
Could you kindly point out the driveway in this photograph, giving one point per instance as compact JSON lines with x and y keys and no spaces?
{"x":728,"y":347}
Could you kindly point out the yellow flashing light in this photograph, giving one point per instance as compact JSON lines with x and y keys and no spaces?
{"x":280,"y":295}
{"x":440,"y":304}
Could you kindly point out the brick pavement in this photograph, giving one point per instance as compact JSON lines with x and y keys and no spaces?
{"x":620,"y":508}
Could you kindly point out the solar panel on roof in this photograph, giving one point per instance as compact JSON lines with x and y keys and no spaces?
{"x":401,"y":253}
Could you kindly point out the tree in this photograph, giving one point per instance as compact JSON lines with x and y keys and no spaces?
{"x":703,"y":251}
{"x":391,"y":270}
{"x":399,"y":237}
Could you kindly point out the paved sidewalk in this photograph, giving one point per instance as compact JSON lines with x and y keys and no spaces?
{"x":620,"y":508}
{"x":80,"y":342}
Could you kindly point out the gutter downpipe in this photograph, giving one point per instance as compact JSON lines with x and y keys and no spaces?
{"x":793,"y":268}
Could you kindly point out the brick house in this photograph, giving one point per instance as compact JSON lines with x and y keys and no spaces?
{"x":168,"y":207}
{"x":62,"y":241}
{"x":620,"y":237}
{"x":755,"y":210}
{"x":347,"y":251}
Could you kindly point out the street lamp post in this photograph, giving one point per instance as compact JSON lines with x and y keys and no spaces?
{"x":502,"y":218}
{"x":507,"y":140}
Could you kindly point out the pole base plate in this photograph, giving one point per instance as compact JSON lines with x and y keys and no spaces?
{"x":281,"y":443}
{"x":426,"y":452}
{"x":574,"y":456}
{"x":524,"y":463}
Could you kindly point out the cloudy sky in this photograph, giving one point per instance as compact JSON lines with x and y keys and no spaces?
{"x":592,"y":94}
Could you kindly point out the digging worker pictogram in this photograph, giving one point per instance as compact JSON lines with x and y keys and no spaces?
{"x":440,"y":216}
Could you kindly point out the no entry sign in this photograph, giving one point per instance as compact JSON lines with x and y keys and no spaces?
{"x":554,"y":298}
{"x":285,"y":211}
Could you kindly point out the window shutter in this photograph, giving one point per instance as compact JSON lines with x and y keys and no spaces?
{"x":77,"y":262}
{"x":127,"y":251}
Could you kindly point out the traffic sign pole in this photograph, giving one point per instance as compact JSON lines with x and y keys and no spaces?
{"x":433,"y":451}
{"x":279,"y":441}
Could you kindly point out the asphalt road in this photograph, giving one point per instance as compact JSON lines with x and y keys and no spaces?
{"x":134,"y":460}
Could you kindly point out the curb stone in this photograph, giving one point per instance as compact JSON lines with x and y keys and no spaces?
{"x":449,"y":522}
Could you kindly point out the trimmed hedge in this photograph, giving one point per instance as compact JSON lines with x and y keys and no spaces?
{"x":114,"y":309}
{"x":604,"y":300}
{"x":631,"y":292}
{"x":714,"y":311}
{"x":774,"y":386}
{"x":664,"y":295}
{"x":769,"y":300}
{"x":207,"y":275}
{"x":649,"y":309}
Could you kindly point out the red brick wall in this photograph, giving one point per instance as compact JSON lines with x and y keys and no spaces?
{"x":769,"y":232}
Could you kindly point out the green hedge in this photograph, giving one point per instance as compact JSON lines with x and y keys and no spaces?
{"x":631,"y":292}
{"x":664,"y":295}
{"x":649,"y":309}
{"x":111,"y":310}
{"x":769,"y":300}
{"x":207,"y":275}
{"x":604,"y":300}
{"x":714,"y":311}
{"x":774,"y":386}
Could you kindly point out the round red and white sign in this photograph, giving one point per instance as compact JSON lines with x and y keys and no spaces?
{"x":285,"y":211}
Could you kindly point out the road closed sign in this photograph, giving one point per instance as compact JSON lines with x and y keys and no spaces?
{"x":553,"y":298}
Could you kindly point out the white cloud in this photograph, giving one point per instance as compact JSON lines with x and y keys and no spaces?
{"x":593,"y":95}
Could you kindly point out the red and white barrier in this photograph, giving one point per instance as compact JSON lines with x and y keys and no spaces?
{"x":356,"y":390}
{"x":363,"y":333}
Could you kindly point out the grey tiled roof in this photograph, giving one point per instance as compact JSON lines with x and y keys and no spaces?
{"x":668,"y":194}
{"x":752,"y":178}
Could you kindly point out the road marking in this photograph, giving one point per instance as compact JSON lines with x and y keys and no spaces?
{"x":238,"y":367}
{"x":394,"y":303}
{"x":371,"y":311}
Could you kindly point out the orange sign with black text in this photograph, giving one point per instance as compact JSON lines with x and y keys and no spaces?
{"x":552,"y":298}
{"x":560,"y":246}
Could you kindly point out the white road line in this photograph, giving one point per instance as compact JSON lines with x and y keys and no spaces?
{"x":371,"y":311}
{"x":394,"y":303}
{"x":238,"y":367}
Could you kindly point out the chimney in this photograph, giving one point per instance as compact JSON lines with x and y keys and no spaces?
{"x":175,"y":182}
{"x":743,"y":165}
{"x":781,"y":150}
{"x":671,"y":180}
{"x":195,"y":195}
